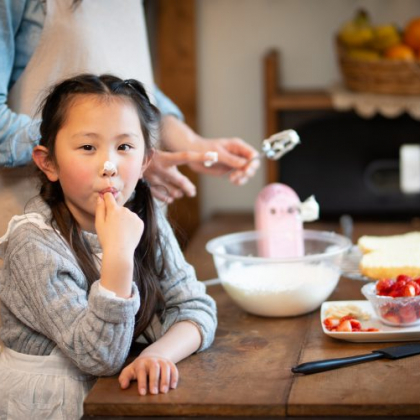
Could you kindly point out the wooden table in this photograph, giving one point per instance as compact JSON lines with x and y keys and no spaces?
{"x":246,"y":373}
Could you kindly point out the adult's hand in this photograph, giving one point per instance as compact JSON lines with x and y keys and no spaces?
{"x":166,"y":181}
{"x":235,"y":157}
{"x":234,"y":154}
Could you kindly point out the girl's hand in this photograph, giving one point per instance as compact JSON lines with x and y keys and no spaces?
{"x":118,"y":228}
{"x":153,"y":372}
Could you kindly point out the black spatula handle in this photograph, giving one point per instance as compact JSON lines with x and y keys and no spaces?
{"x":329,"y":364}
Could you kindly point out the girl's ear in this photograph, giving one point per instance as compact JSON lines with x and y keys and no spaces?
{"x":42,"y":160}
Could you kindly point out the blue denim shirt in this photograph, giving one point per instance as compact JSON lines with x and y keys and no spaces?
{"x":21,"y":23}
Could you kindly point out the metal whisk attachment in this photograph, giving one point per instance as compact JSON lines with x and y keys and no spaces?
{"x":274,"y":147}
{"x":279,"y":144}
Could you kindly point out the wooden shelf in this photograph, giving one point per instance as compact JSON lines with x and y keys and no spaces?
{"x":300,"y":100}
{"x":278,"y":100}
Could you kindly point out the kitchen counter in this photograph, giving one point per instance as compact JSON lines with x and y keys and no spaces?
{"x":246,"y":373}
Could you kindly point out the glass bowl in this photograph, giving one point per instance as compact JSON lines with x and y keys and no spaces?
{"x":278,"y":287}
{"x":393,"y":311}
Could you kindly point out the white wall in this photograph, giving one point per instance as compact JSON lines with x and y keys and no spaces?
{"x":234,"y":35}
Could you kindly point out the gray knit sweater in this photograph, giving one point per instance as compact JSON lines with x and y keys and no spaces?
{"x":44,"y":301}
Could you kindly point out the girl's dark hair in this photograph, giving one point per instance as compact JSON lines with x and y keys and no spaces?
{"x":148,"y":270}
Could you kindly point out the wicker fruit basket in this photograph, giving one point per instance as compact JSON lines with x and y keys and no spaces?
{"x":396,"y":77}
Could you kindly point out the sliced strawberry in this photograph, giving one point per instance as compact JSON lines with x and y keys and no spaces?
{"x":408,"y":314}
{"x":398,"y":287}
{"x":355,"y":325}
{"x":344,"y":326}
{"x":392,"y":318}
{"x":403,"y":279}
{"x":348,"y":317}
{"x":409,"y":290}
{"x":384,"y":286}
{"x":331,"y":323}
{"x":388,"y":308}
{"x":346,"y":323}
{"x":416,"y":287}
{"x":397,"y":290}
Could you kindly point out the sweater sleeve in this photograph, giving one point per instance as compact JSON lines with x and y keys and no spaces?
{"x":186,"y":297}
{"x":46,"y":290}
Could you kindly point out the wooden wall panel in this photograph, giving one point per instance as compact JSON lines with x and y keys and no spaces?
{"x":176,"y":74}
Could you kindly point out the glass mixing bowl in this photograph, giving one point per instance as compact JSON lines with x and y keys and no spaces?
{"x":278,"y":287}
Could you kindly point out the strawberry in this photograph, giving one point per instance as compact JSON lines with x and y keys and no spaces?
{"x":385,"y":308}
{"x":355,"y":325}
{"x":384,"y":286}
{"x":348,"y":317}
{"x":416,"y":286}
{"x":409,"y":290}
{"x":397,"y":290}
{"x":392,"y":318}
{"x":408,"y":314}
{"x":403,"y":279}
{"x":331,"y":324}
{"x":345,"y":326}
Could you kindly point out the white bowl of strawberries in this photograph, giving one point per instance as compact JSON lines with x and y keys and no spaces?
{"x":396,"y":301}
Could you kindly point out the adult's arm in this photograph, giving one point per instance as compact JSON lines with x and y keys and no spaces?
{"x":166,"y":106}
{"x":18,"y":132}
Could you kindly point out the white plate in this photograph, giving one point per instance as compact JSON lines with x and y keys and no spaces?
{"x":385,"y":333}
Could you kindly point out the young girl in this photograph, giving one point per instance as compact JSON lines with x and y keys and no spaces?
{"x":92,"y":264}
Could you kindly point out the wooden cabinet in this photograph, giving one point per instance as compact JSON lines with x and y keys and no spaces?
{"x":176,"y":75}
{"x":278,"y":100}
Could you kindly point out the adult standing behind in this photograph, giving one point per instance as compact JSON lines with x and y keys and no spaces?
{"x":43,"y":41}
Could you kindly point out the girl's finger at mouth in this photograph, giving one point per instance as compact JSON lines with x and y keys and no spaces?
{"x":109,"y":198}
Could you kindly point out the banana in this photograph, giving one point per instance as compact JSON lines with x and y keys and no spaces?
{"x":385,"y":36}
{"x":357,"y":32}
{"x":363,"y":54}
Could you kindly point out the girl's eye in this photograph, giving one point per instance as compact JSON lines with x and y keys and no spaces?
{"x":124,"y":147}
{"x":87,"y":147}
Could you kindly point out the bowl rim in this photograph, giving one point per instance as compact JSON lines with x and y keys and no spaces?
{"x":343,"y":245}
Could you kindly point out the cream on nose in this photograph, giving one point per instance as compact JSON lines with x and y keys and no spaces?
{"x":109,"y":169}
